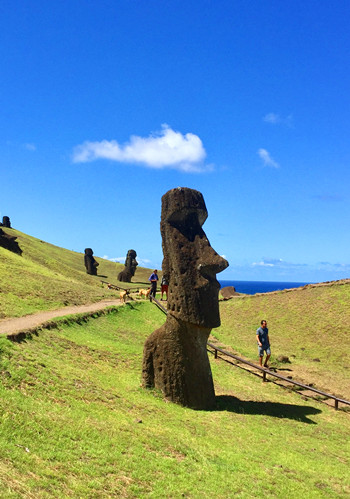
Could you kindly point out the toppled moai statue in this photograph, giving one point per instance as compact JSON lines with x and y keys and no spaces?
{"x":6,"y":222}
{"x":228,"y":292}
{"x":9,"y":242}
{"x":175,"y":358}
{"x":130,"y":267}
{"x":90,"y":263}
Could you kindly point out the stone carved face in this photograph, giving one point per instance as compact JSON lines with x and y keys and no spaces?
{"x":130,"y":262}
{"x":190,"y":263}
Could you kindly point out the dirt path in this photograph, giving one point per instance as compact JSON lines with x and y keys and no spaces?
{"x":30,"y":322}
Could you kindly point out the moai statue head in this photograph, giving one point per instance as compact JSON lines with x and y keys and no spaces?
{"x":130,"y":262}
{"x":6,"y":222}
{"x":90,"y":262}
{"x":130,"y":267}
{"x":9,"y":242}
{"x":189,"y":263}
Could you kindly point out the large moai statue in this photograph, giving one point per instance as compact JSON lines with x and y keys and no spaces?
{"x":6,"y":222}
{"x":175,"y":358}
{"x":130,"y":267}
{"x":90,"y":263}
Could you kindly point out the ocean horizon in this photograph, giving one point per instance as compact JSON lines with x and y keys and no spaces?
{"x":253,"y":287}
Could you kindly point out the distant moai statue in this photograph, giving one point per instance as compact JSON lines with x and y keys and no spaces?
{"x":90,"y":263}
{"x":130,"y":267}
{"x":9,"y":242}
{"x":6,"y":222}
{"x":175,"y":358}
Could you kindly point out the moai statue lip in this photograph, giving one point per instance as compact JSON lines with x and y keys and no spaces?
{"x":190,"y":263}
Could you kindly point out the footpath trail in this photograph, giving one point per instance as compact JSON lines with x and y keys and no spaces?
{"x":31,"y":322}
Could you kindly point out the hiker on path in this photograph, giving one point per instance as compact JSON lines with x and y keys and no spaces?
{"x":153,"y":278}
{"x":262,"y":337}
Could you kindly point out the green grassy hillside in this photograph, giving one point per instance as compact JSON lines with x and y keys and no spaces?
{"x":308,"y":325}
{"x":47,"y":277}
{"x":76,"y":423}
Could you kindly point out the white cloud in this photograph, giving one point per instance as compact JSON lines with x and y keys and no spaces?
{"x":164,"y":149}
{"x":30,"y":147}
{"x":143,"y":262}
{"x":262,"y":264}
{"x":276,"y":119}
{"x":278,"y":263}
{"x":119,"y":259}
{"x":267,"y":159}
{"x":272,"y":118}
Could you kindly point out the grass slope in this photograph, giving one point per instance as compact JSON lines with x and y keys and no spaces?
{"x":47,"y":277}
{"x":308,"y":325}
{"x":76,"y":423}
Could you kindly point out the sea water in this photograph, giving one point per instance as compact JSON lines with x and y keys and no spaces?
{"x":253,"y":287}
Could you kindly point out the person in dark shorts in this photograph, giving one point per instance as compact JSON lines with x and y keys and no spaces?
{"x":164,"y":288}
{"x":262,"y":337}
{"x":153,"y":278}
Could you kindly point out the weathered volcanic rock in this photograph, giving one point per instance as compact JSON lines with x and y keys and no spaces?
{"x":175,"y":356}
{"x":6,"y":222}
{"x":90,"y":263}
{"x":228,"y":292}
{"x":9,"y":242}
{"x":130,"y":267}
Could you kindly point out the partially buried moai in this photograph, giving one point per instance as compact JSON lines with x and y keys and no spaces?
{"x":6,"y":222}
{"x":130,"y":267}
{"x":90,"y":263}
{"x":9,"y":242}
{"x":175,"y":358}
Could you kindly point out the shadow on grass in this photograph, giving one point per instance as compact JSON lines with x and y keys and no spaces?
{"x":273,"y":409}
{"x":133,"y":306}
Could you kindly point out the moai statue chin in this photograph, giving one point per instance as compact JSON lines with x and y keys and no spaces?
{"x":130,"y":267}
{"x":175,"y":356}
{"x":90,"y":263}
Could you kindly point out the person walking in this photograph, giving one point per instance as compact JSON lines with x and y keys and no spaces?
{"x":262,"y":337}
{"x":153,"y":278}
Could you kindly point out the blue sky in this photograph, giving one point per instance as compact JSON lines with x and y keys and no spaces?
{"x":107,"y":105}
